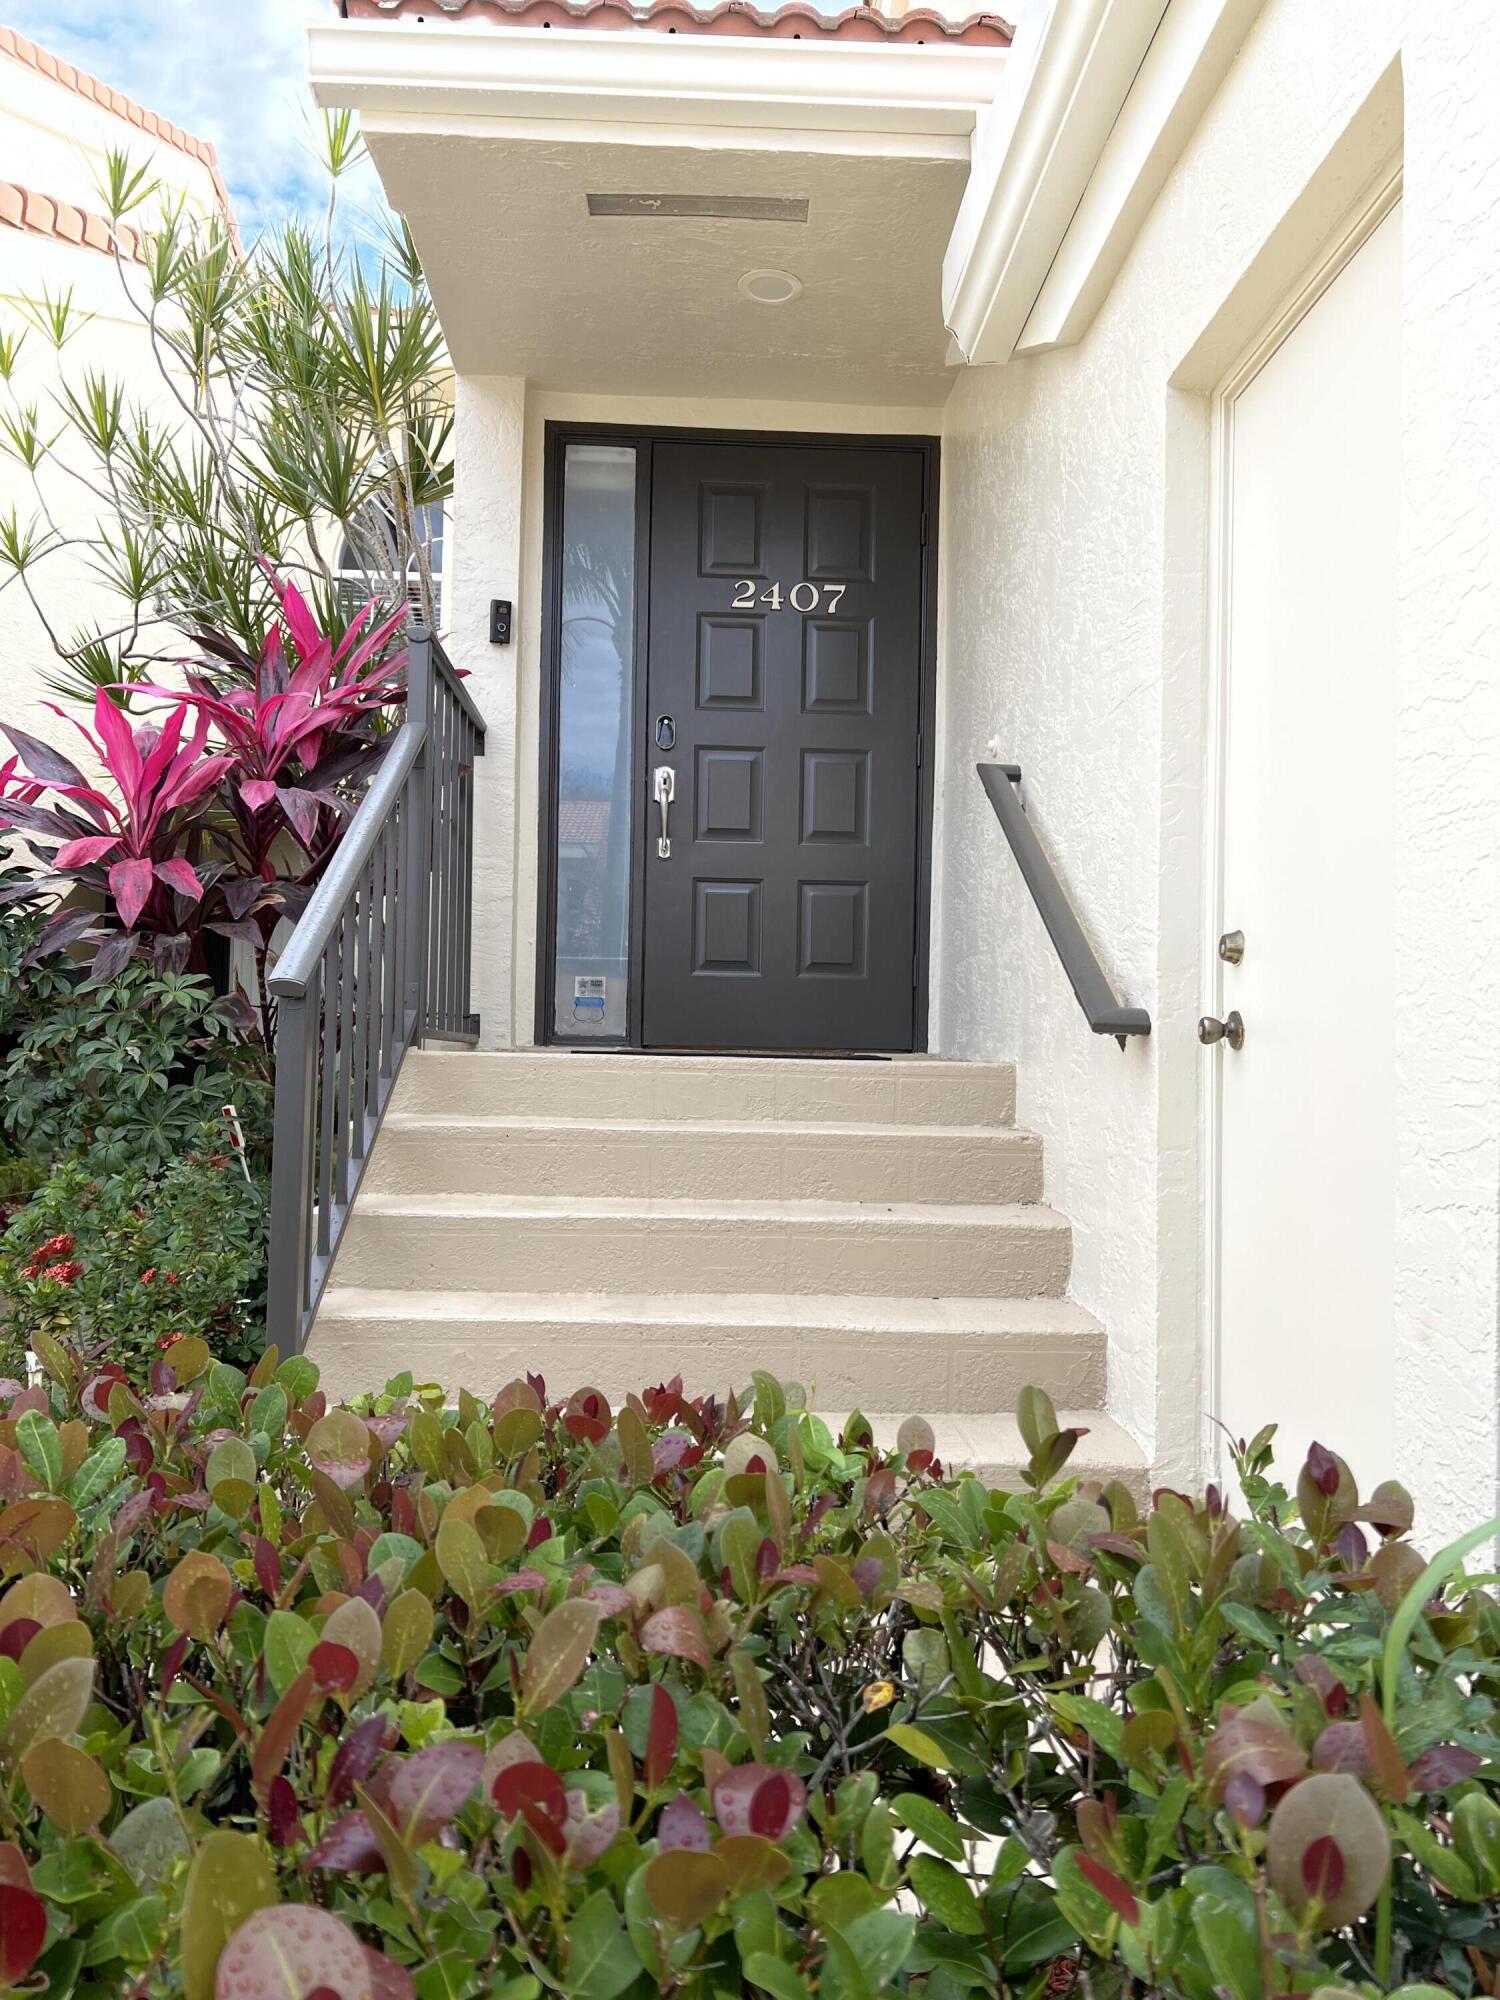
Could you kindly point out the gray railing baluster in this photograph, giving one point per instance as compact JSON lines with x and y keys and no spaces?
{"x":379,"y":959}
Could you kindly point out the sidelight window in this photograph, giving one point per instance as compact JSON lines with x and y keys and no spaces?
{"x":592,"y":835}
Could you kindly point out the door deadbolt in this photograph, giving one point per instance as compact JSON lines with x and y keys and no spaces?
{"x":1232,"y":947}
{"x":1231,"y":1029}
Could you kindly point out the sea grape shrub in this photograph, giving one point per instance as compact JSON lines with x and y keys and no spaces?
{"x":439,"y":1697}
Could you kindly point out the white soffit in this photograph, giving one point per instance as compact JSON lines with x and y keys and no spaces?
{"x":1101,"y":100}
{"x":501,"y":146}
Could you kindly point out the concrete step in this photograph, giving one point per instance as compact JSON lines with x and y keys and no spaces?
{"x":991,"y":1446}
{"x":493,"y":1243}
{"x":672,"y":1159}
{"x":971,"y":1355}
{"x":554,"y":1083}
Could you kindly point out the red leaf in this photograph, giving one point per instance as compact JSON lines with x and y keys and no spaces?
{"x":661,"y":1737}
{"x":677,"y":1632}
{"x":81,"y":853}
{"x":1116,"y":1893}
{"x":355,"y":1758}
{"x":23,"y":1932}
{"x":280,"y":1729}
{"x":335,"y":1668}
{"x":348,"y":1848}
{"x":736,"y":1796}
{"x":421,"y":1795}
{"x":1245,"y":1798}
{"x":179,"y":875}
{"x":534,"y":1792}
{"x":1323,"y":1868}
{"x":682,"y":1825}
{"x":130,"y":885}
{"x":771,"y":1806}
{"x":1443,"y":1765}
{"x":282,"y":1816}
{"x":1324,"y":1469}
{"x":17,"y":1636}
{"x":1342,"y":1747}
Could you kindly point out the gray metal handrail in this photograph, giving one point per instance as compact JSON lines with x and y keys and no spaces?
{"x":378,"y":960}
{"x":1093,"y":991}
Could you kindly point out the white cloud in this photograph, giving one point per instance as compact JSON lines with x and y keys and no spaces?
{"x":229,"y":70}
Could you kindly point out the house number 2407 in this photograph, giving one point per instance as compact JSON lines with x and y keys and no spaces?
{"x":801,"y":596}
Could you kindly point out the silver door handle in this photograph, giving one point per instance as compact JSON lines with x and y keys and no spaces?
{"x":664,"y":791}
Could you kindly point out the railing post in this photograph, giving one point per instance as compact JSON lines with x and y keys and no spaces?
{"x":416,"y":916}
{"x":291,"y":1183}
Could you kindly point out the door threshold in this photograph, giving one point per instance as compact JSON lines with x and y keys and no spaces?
{"x":761,"y":1055}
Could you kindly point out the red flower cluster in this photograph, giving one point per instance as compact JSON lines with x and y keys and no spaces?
{"x":53,"y":1262}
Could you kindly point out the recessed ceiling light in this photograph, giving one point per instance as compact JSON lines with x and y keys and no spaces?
{"x":770,"y":288}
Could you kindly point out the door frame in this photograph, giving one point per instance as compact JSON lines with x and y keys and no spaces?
{"x":1334,"y":258}
{"x":556,"y":437}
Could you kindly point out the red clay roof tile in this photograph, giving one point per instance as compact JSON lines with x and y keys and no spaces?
{"x":797,"y":21}
{"x":32,"y":56}
{"x":43,"y":215}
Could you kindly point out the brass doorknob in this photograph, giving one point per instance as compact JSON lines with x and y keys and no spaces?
{"x":1231,"y":1029}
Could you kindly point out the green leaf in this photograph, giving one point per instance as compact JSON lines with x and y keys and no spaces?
{"x":98,"y":1472}
{"x":1102,"y":1725}
{"x":41,"y":1447}
{"x":881,"y":1942}
{"x":931,"y":1825}
{"x":917,"y":1743}
{"x":1029,"y":1927}
{"x":288,"y":1642}
{"x":601,"y":1962}
{"x":1223,"y":1916}
{"x":558,"y":1654}
{"x":946,"y":1895}
{"x":772,"y":1977}
{"x":1170,"y":1569}
{"x":230,"y":1880}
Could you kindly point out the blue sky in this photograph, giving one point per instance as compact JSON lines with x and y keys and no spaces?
{"x":229,"y":70}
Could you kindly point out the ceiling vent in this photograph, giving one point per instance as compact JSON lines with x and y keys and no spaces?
{"x":728,"y":207}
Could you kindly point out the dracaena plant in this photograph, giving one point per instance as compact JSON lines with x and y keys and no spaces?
{"x":303,"y":412}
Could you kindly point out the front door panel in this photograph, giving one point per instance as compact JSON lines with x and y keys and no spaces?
{"x":784,"y":670}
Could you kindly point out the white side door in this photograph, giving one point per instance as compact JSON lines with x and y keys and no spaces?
{"x":1306,"y":1193}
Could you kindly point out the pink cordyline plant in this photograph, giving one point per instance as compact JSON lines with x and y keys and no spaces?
{"x":128,"y":847}
{"x":228,"y":837}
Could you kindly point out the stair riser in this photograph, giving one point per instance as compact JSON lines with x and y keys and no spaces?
{"x":879,"y":1257}
{"x":705,"y":1164}
{"x":916,"y":1371}
{"x":637,"y":1087}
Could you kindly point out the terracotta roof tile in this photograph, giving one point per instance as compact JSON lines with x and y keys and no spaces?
{"x":32,"y":56}
{"x":43,"y":215}
{"x":797,"y":21}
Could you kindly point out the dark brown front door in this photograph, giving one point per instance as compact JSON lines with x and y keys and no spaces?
{"x":783,"y":695}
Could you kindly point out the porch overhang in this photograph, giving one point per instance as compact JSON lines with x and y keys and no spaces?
{"x":491,"y":139}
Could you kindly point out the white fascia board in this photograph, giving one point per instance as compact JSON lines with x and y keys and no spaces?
{"x":1034,"y":154}
{"x":577,"y":76}
{"x":1185,"y":64}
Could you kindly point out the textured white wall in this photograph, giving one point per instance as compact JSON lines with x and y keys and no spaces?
{"x":1075,"y":534}
{"x":54,"y":141}
{"x":486,"y":514}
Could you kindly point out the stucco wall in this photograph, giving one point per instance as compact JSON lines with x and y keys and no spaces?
{"x":54,"y":142}
{"x":1075,"y":531}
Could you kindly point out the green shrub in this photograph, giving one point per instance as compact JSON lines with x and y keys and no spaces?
{"x":123,"y":1074}
{"x":124,"y":1265}
{"x":450,"y":1701}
